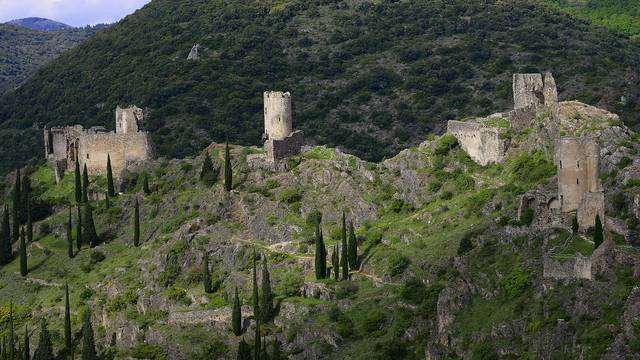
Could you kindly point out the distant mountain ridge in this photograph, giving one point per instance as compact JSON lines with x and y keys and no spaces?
{"x":37,"y":23}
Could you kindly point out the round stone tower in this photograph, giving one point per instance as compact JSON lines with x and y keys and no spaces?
{"x":278,"y":119}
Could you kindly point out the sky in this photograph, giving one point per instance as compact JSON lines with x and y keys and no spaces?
{"x":70,"y":12}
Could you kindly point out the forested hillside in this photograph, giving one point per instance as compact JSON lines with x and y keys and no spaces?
{"x":371,"y":78}
{"x":619,"y":15}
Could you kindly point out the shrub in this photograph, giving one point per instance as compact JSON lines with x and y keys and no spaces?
{"x":530,"y":168}
{"x":516,"y":281}
{"x":624,"y":162}
{"x":526,"y":218}
{"x":397,"y":264}
{"x":148,"y":351}
{"x":288,"y":283}
{"x":290,"y":196}
{"x":484,"y":352}
{"x":446,"y":143}
{"x":400,"y":206}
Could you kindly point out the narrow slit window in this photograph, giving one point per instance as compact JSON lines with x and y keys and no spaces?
{"x":578,"y":181}
{"x":560,"y":164}
{"x":578,"y":164}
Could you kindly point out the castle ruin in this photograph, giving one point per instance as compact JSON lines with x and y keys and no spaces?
{"x":532,"y":90}
{"x":484,"y":144}
{"x":579,"y":187}
{"x":280,"y":140}
{"x":129,"y":143}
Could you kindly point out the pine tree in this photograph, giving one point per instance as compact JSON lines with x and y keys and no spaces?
{"x":78,"y":178}
{"x":266,"y":304}
{"x":255,"y":296}
{"x":335,"y":262}
{"x":26,"y":347}
{"x":320,"y":255}
{"x":145,"y":184}
{"x":236,"y":315}
{"x":69,"y":236}
{"x":228,"y":170}
{"x":88,"y":342}
{"x":352,"y":248}
{"x":574,"y":225}
{"x":85,"y":185}
{"x":344,"y":262}
{"x":67,"y":323}
{"x":136,"y":224}
{"x":208,"y":175}
{"x":111,"y":190}
{"x":89,"y":234}
{"x":5,"y":239}
{"x":244,"y":352}
{"x":16,"y":208}
{"x":598,"y":236}
{"x":256,"y":341}
{"x":23,"y":255}
{"x":26,"y":198}
{"x":45,"y":348}
{"x":206,"y":274}
{"x":79,"y":228}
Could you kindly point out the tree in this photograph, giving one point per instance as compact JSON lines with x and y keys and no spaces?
{"x":23,"y":255}
{"x":228,"y":170}
{"x":88,"y":342}
{"x":69,"y":237}
{"x":598,"y":236}
{"x":89,"y":234}
{"x":68,"y":340}
{"x":255,"y":296}
{"x":352,"y":248}
{"x":45,"y":348}
{"x":85,"y":185}
{"x":257,"y":347}
{"x":574,"y":225}
{"x":5,"y":239}
{"x":145,"y":184}
{"x":276,"y":352}
{"x":26,"y":198}
{"x":206,"y":274}
{"x":111,"y":190}
{"x":107,"y":200}
{"x":16,"y":208}
{"x":136,"y":224}
{"x":244,"y":352}
{"x":335,"y":262}
{"x":78,"y":182}
{"x":79,"y":228}
{"x":320,"y":255}
{"x":266,"y":304}
{"x":344,"y":263}
{"x":26,"y":348}
{"x":208,"y":174}
{"x":236,"y":315}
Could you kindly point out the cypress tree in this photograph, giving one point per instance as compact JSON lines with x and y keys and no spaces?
{"x":344,"y":263}
{"x":67,"y":323}
{"x":45,"y":348}
{"x":266,"y":304}
{"x":228,"y":170}
{"x":236,"y":315}
{"x":208,"y":174}
{"x":206,"y":274}
{"x":26,"y":198}
{"x":244,"y":352}
{"x":256,"y":341}
{"x":79,"y":228}
{"x":89,"y":234}
{"x":107,"y":200}
{"x":23,"y":255}
{"x":335,"y":262}
{"x":16,"y":208}
{"x":111,"y":190}
{"x":263,"y":354}
{"x":574,"y":225}
{"x":69,"y":237}
{"x":145,"y":184}
{"x":352,"y":248}
{"x":320,"y":255}
{"x":5,"y":239}
{"x":136,"y":224}
{"x":85,"y":185}
{"x":276,"y":353}
{"x":88,"y":342}
{"x":78,"y":182}
{"x":26,"y":348}
{"x":598,"y":236}
{"x":255,"y":296}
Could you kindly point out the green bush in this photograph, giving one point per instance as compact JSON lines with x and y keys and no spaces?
{"x":291,"y":195}
{"x":517,"y":281}
{"x":531,"y":168}
{"x":484,"y":352}
{"x":397,"y":264}
{"x":148,"y":351}
{"x":446,"y":143}
{"x":526,"y":218}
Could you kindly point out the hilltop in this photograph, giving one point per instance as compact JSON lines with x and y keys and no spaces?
{"x":370,"y":78}
{"x":36,"y":23}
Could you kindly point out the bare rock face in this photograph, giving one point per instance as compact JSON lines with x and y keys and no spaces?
{"x":318,"y":291}
{"x":194,"y":54}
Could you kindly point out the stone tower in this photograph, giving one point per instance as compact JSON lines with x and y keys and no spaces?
{"x":278,"y":118}
{"x":128,"y":120}
{"x":280,"y":140}
{"x":534,"y":90}
{"x":579,"y":186}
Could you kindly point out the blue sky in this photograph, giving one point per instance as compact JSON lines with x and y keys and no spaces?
{"x":71,"y":12}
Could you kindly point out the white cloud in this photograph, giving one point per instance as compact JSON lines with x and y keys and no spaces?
{"x":72,"y":12}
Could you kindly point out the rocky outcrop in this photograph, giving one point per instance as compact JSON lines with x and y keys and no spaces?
{"x":194,"y":54}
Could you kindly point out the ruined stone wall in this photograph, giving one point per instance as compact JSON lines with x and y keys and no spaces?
{"x":281,"y":149}
{"x":128,"y":120}
{"x":483,"y":144}
{"x":278,"y":118}
{"x":592,"y":204}
{"x":534,"y":90}
{"x":575,"y":268}
{"x":122,"y":148}
{"x":577,"y":160}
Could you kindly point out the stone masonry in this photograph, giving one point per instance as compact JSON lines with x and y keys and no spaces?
{"x":579,"y":187}
{"x":280,"y":140}
{"x":63,"y":145}
{"x":484,"y":144}
{"x":534,"y":90}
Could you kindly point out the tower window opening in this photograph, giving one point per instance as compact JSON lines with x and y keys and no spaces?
{"x":578,"y":164}
{"x":87,"y":156}
{"x":560,"y":164}
{"x":578,"y":181}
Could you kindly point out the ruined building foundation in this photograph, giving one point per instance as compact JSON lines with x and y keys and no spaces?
{"x":280,"y":140}
{"x":63,"y":145}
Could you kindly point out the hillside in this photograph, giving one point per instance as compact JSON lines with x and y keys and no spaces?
{"x":618,"y":15}
{"x":368,"y":77}
{"x":23,"y":51}
{"x":35,"y":23}
{"x":449,"y":266}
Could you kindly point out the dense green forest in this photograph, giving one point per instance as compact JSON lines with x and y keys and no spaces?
{"x":619,"y":15}
{"x":371,"y":78}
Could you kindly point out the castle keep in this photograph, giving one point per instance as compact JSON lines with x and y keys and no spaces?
{"x":129,"y":143}
{"x":280,"y":140}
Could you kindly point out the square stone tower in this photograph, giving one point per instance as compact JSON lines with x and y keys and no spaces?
{"x":280,"y":141}
{"x":128,"y":120}
{"x":531,"y":90}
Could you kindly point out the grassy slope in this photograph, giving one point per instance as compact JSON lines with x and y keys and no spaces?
{"x":371,"y":78}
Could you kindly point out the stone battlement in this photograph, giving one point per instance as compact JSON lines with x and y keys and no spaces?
{"x":484,"y":144}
